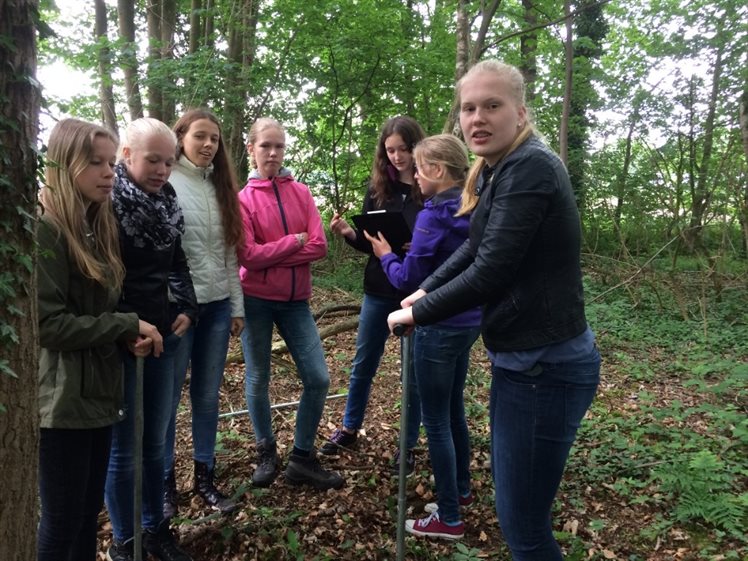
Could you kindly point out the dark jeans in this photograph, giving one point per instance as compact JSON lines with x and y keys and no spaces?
{"x":72,"y":471}
{"x":373,"y":332}
{"x":440,"y":358}
{"x":203,"y":349}
{"x":534,"y":420}
{"x":158,"y":392}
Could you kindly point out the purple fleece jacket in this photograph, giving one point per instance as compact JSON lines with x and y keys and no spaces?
{"x":436,"y":235}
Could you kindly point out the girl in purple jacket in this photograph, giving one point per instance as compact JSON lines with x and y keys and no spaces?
{"x":441,"y":352}
{"x":282,"y":236}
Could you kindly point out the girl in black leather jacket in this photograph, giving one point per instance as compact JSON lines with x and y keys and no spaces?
{"x":150,"y":228}
{"x":521,"y":263}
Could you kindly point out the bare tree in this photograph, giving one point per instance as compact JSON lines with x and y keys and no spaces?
{"x":106,"y":94}
{"x":126,"y":20}
{"x":19,"y":409}
{"x":242,"y":55}
{"x":563,"y":131}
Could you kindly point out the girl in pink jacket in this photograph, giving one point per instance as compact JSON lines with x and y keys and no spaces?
{"x":283,"y":235}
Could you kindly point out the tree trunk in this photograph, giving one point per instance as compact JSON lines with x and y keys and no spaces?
{"x":623,"y":177}
{"x":700,"y":193}
{"x":106,"y":95}
{"x":241,"y":54}
{"x":153,"y":16}
{"x":168,"y":93}
{"x":195,"y":29}
{"x":209,"y":19}
{"x":462,"y":57}
{"x":129,"y":59}
{"x":19,"y":408}
{"x":528,"y":46}
{"x":563,"y":132}
{"x":744,"y":120}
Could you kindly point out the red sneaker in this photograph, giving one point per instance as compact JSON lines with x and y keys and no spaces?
{"x":432,"y":527}
{"x":464,"y":503}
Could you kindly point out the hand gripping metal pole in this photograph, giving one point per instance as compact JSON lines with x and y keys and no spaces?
{"x":138,"y":453}
{"x":405,"y":362}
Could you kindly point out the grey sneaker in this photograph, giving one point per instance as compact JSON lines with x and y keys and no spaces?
{"x":267,"y":463}
{"x":308,"y":471}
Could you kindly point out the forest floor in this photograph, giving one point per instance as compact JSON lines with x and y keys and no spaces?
{"x":613,"y":502}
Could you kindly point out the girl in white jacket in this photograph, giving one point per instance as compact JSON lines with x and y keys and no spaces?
{"x":206,"y":187}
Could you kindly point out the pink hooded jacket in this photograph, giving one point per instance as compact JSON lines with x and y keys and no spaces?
{"x":273,"y":265}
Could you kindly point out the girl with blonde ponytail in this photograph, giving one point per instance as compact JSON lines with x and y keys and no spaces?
{"x":522,"y":265}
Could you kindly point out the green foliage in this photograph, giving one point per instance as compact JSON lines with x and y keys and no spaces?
{"x":704,"y":491}
{"x":683,"y":455}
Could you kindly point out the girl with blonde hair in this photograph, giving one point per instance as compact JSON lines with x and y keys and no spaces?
{"x":151,"y":227}
{"x":79,"y":279}
{"x":441,"y":352}
{"x":522,"y":264}
{"x":283,"y":235}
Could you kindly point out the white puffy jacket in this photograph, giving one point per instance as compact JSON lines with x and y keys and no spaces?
{"x":213,"y":265}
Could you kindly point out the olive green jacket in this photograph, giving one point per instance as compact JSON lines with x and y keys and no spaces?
{"x":80,"y":366}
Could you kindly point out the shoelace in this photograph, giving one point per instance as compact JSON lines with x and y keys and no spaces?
{"x":424,"y":522}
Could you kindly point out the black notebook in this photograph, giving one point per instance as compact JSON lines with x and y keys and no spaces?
{"x":392,"y":226}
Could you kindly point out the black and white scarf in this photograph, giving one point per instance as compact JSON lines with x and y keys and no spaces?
{"x":148,"y":220}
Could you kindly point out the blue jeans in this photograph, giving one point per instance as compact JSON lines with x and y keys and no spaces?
{"x":372,"y":335}
{"x":158,"y":391}
{"x":296,"y":326}
{"x":72,"y":471}
{"x":203,"y":348}
{"x":534,"y":420}
{"x":441,"y":356}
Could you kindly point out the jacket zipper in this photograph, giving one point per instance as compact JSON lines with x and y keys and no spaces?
{"x":285,"y":229}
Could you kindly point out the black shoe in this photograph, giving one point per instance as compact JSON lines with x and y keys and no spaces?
{"x":123,"y":551}
{"x":410,"y":464}
{"x":267,"y":464}
{"x":170,"y":496}
{"x":162,"y":545}
{"x":303,"y":470}
{"x":339,"y":439}
{"x":206,"y":489}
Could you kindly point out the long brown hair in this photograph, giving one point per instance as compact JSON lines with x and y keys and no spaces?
{"x":224,"y":178}
{"x":69,"y":152}
{"x":383,"y":173}
{"x":513,"y":78}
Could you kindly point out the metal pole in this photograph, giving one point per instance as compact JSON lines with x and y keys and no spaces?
{"x":405,"y":365}
{"x":277,"y":406}
{"x":138,"y":453}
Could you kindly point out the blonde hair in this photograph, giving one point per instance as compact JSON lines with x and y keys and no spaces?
{"x":69,"y":153}
{"x":261,"y":124}
{"x":139,"y":130}
{"x":446,"y":150}
{"x":512,"y":77}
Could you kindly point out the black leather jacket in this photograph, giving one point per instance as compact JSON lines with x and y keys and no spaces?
{"x":150,"y":275}
{"x":521,"y":261}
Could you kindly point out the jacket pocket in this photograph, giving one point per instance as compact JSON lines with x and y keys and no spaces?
{"x":101,"y":372}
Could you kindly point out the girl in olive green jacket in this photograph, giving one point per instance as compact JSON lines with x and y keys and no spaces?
{"x":80,"y":372}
